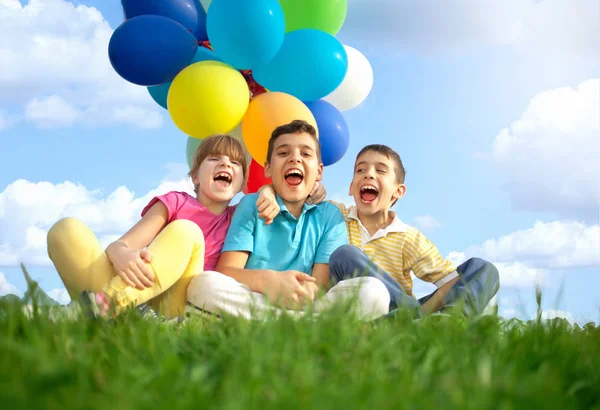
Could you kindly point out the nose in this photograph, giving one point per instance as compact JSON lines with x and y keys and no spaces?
{"x":295,"y":156}
{"x":225,"y":162}
{"x":369,"y":174}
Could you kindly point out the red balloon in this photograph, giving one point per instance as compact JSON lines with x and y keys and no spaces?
{"x":256,"y":178}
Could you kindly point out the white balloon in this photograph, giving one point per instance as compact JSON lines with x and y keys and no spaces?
{"x":205,"y":4}
{"x":357,"y":83}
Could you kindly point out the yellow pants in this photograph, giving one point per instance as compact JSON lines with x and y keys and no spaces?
{"x":177,"y":256}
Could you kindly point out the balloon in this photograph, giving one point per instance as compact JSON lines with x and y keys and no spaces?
{"x":190,"y":147}
{"x":159,"y":92}
{"x":309,"y":65}
{"x":256,"y":178}
{"x":207,"y":98}
{"x":267,"y":112}
{"x":187,"y":12}
{"x":245,"y":33}
{"x":356,"y":85}
{"x":325,"y":15}
{"x":334,"y":135}
{"x":150,"y":50}
{"x":204,"y":54}
{"x":205,"y":4}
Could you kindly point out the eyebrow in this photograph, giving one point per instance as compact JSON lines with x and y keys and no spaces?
{"x":288,"y":146}
{"x":379,"y":164}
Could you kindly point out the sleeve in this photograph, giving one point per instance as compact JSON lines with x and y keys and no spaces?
{"x":240,"y":236}
{"x":334,"y":235}
{"x":172,"y":200}
{"x":424,"y":260}
{"x":343,"y":209}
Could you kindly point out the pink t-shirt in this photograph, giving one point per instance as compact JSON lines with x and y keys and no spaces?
{"x":181,"y":205}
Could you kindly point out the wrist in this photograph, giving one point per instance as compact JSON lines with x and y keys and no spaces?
{"x":267,"y":278}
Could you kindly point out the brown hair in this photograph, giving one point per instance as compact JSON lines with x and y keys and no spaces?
{"x":294,"y":127}
{"x":220,"y":144}
{"x":389,"y":154}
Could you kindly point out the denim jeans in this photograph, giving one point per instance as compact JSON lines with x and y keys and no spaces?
{"x":478,"y":283}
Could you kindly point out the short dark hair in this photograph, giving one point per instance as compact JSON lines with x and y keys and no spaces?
{"x":390,"y":154}
{"x":294,"y":127}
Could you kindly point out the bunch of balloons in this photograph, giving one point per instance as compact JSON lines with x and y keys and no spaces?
{"x":244,"y":67}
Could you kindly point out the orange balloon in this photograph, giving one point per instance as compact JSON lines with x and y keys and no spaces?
{"x":265,"y":113}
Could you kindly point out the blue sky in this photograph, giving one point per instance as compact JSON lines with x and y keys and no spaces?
{"x":493,"y":108}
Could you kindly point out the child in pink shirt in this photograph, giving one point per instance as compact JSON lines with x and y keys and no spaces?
{"x":178,"y":237}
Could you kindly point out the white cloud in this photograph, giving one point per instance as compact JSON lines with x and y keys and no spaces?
{"x":51,"y":112}
{"x":552,"y":27}
{"x":529,"y":257}
{"x":28,"y":210}
{"x":53,"y":55}
{"x":427,"y":222}
{"x":7,"y":288}
{"x":60,"y":295}
{"x":550,"y":154}
{"x":548,"y":245}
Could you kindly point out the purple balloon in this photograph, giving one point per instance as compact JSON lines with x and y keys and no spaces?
{"x":334,"y":135}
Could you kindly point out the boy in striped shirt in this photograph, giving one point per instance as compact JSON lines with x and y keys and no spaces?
{"x":383,"y":247}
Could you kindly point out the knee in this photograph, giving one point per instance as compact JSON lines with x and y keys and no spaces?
{"x":62,"y":230}
{"x":344,"y":253}
{"x":186,"y":229}
{"x":375,"y":296}
{"x":201,"y":287}
{"x":487,"y":270}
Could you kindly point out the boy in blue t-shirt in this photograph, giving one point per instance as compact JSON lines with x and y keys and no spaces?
{"x":285,"y":263}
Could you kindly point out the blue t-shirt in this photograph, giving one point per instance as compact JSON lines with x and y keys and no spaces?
{"x":288,"y":243}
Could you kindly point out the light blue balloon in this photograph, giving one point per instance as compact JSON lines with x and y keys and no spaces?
{"x":160,"y":92}
{"x":245,"y":33}
{"x":191,"y":146}
{"x":309,"y":65}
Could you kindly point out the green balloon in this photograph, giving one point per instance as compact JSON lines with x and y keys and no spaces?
{"x":190,"y":147}
{"x":325,"y":15}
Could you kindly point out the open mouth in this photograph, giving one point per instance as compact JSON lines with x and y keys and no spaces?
{"x":294,"y":177}
{"x":368,"y":193}
{"x":222,"y":179}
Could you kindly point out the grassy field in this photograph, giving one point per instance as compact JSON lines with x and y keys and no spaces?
{"x":331,"y":363}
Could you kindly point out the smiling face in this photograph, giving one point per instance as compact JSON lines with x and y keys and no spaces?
{"x":375,"y":185}
{"x":294,"y":166}
{"x":219,"y":178}
{"x":219,"y":170}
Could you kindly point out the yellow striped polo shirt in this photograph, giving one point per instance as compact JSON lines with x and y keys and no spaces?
{"x":399,"y":249}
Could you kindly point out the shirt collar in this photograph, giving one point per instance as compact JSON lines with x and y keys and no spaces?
{"x":283,"y":209}
{"x":395,"y":227}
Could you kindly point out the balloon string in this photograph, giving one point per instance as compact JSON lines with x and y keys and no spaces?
{"x":255,"y":88}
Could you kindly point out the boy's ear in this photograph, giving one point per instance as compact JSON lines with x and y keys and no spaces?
{"x":267,"y":168}
{"x":399,"y":192}
{"x":320,"y":172}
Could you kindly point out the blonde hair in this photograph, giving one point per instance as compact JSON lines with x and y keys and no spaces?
{"x":220,"y":144}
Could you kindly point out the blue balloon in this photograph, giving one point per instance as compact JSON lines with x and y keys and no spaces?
{"x":151,"y":50}
{"x":189,"y":13}
{"x":334,"y":135}
{"x":160,"y":92}
{"x":309,"y":65}
{"x":245,"y":33}
{"x":204,"y":54}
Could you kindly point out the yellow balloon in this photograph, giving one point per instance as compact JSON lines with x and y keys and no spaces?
{"x":208,"y":97}
{"x":267,"y":112}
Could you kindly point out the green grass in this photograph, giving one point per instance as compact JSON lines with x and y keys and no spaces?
{"x":331,"y":363}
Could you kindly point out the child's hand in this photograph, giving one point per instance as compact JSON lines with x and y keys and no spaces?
{"x":312,"y":288}
{"x":267,"y":205}
{"x":131,"y":266}
{"x":287,"y":289}
{"x":318,"y":194}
